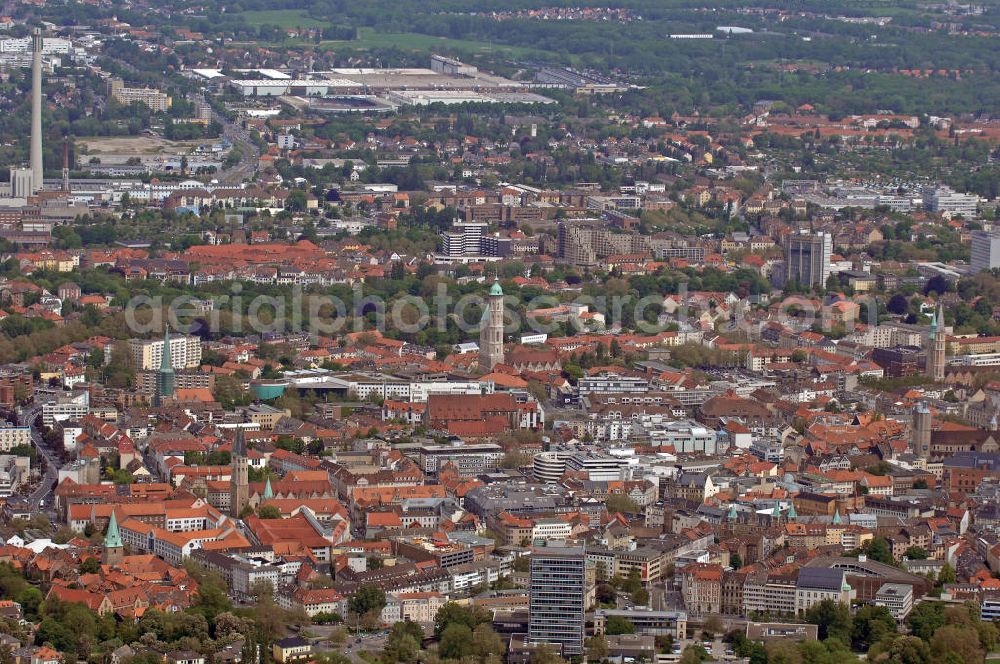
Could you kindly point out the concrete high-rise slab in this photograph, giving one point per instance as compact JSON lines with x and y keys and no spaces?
{"x":557,"y":598}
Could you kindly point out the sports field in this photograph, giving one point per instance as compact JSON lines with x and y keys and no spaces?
{"x":370,"y":39}
{"x":412,"y":41}
{"x":283,"y":18}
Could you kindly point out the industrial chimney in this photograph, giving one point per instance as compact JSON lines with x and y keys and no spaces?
{"x":37,"y":172}
{"x":65,"y":171}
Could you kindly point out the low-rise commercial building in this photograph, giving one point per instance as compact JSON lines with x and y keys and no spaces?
{"x":654,"y":623}
{"x":896,"y":597}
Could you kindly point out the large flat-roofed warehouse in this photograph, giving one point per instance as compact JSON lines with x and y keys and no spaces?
{"x":426,"y":97}
{"x":448,"y":82}
{"x":384,"y":80}
{"x":267,"y":87}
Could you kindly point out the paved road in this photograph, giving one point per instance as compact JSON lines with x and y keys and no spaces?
{"x":237,"y":136}
{"x":45,"y":487}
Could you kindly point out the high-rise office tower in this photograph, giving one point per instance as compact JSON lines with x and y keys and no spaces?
{"x":807,"y":258}
{"x":985,"y":251}
{"x":557,"y":598}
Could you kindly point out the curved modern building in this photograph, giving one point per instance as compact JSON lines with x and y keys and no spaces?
{"x":548,"y":467}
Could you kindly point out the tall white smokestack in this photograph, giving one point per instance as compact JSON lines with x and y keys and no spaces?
{"x":37,"y":172}
{"x":65,"y":171}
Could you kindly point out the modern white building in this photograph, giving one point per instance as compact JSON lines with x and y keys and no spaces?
{"x":363,"y":385}
{"x":420,"y":391}
{"x":990,"y":609}
{"x":66,"y":408}
{"x":599,"y":467}
{"x":471,"y":459}
{"x":71,"y":431}
{"x":687,"y":436}
{"x":185,"y":353}
{"x":948,"y":201}
{"x":50,"y":46}
{"x":897,"y":597}
{"x":464,"y":239}
{"x":607,"y":382}
{"x":551,"y":529}
{"x":985,"y":251}
{"x":14,"y":471}
{"x":13,"y":436}
{"x":548,"y":467}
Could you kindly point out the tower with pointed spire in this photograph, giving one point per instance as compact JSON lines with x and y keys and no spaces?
{"x":935,"y":347}
{"x":114,"y":550}
{"x":491,"y":330}
{"x":239,"y":476}
{"x":165,"y":377}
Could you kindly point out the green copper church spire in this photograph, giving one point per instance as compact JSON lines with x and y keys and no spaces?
{"x":114,"y":550}
{"x":113,"y":538}
{"x":165,"y":378}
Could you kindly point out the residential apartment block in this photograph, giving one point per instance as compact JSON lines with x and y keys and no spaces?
{"x":185,"y":353}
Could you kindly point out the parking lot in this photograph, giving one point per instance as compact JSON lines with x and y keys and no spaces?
{"x":718,"y":650}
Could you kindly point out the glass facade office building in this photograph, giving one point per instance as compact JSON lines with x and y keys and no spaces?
{"x":557,"y":602}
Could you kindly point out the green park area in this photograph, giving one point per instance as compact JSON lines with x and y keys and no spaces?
{"x":282,"y":18}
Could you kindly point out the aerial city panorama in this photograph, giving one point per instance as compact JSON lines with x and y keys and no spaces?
{"x":499,"y":332}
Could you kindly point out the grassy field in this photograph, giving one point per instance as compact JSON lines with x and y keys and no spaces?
{"x":412,"y":41}
{"x":368,"y":38}
{"x":283,"y":18}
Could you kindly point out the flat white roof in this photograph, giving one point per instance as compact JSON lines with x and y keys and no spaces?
{"x":324,"y":82}
{"x":337,"y":82}
{"x":402,"y":71}
{"x":261,"y":82}
{"x":440,"y":94}
{"x":274,"y":74}
{"x":208,"y":73}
